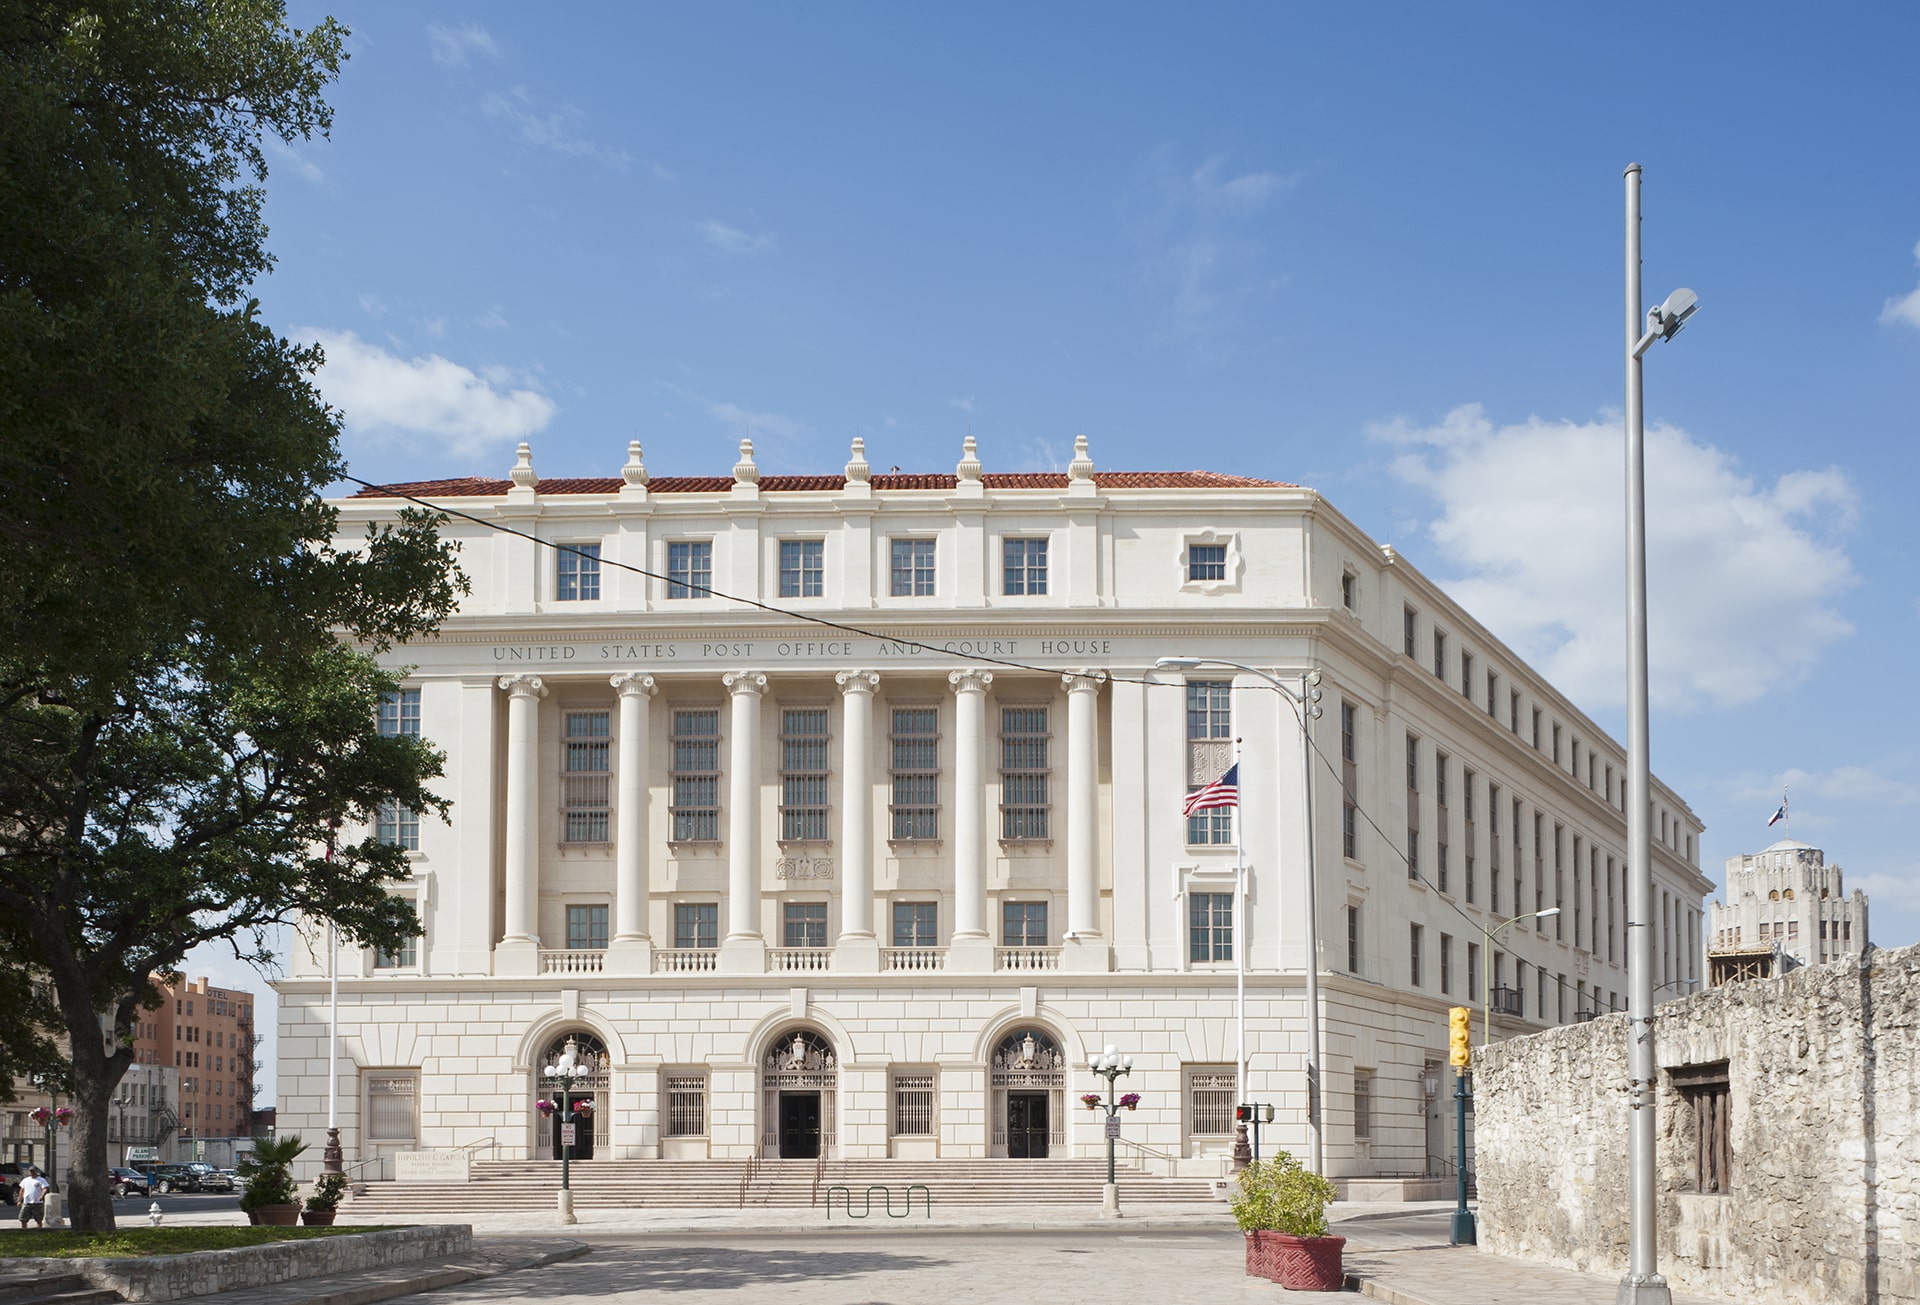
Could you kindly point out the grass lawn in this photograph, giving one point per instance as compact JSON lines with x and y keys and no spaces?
{"x":66,"y":1244}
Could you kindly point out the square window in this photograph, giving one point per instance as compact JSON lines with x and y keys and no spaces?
{"x":586,"y":928}
{"x":1023,"y":924}
{"x":1209,"y":927}
{"x":805,"y":924}
{"x":1024,"y":569}
{"x":802,"y":568}
{"x":1206,"y":561}
{"x":577,"y":573}
{"x":696,"y":925}
{"x":912,"y":568}
{"x":689,"y":568}
{"x":916,"y":924}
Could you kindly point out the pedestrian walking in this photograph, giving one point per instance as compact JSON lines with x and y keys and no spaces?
{"x":33,"y":1199}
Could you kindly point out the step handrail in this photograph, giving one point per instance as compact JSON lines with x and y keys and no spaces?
{"x":746,"y":1178}
{"x":1172,"y":1160}
{"x":470,"y":1147}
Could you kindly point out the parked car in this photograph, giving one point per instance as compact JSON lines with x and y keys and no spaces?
{"x":173,"y":1178}
{"x":127,"y":1182}
{"x":11,"y":1173}
{"x":210,"y":1179}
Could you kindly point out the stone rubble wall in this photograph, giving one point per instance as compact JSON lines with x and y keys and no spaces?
{"x":1824,"y":1076}
{"x":205,"y":1273}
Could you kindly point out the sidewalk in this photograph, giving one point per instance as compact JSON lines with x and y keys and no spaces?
{"x":1391,"y":1264}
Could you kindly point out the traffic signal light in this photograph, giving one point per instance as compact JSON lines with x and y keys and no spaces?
{"x":1460,"y":1037}
{"x":1243,"y":1114}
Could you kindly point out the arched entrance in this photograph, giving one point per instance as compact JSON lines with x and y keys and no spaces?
{"x":799,"y":1077}
{"x":1027,"y":1081}
{"x":575,"y":1050}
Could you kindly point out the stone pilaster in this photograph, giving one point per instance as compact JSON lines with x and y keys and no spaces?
{"x":744,"y":949}
{"x":631,"y":949}
{"x":1084,"y":946}
{"x":970,"y":948}
{"x":519,"y":949}
{"x":856,"y":950}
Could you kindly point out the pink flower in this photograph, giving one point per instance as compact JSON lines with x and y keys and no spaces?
{"x":1130,"y":1100}
{"x":544,"y":1106}
{"x":583,"y":1107}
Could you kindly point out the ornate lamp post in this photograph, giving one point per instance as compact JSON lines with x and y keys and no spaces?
{"x":1110,"y":1065}
{"x":561,"y":1077}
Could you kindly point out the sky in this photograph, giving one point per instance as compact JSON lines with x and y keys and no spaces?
{"x":1373,"y":249}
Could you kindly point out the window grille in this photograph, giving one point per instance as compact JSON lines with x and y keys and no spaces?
{"x":686,"y":1105}
{"x":912,"y":1105}
{"x":696,"y":776}
{"x":803,"y":774}
{"x":1708,"y":1091}
{"x":585,"y":778}
{"x":391,"y":1109}
{"x":1363,"y":1105}
{"x":1023,"y":772}
{"x":916,"y":773}
{"x":1210,"y":1102}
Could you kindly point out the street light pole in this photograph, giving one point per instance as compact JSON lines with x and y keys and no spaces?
{"x":1486,"y":963}
{"x":1110,"y":1065}
{"x":1306,"y":700}
{"x":1643,"y":1284}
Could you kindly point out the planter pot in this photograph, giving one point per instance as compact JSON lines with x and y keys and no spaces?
{"x":1296,"y":1263}
{"x":317,"y":1218}
{"x":279,"y":1216}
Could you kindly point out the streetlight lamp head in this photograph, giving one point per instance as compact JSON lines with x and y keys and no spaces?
{"x":1669,"y":317}
{"x":1551,"y":910}
{"x":1176,"y":663}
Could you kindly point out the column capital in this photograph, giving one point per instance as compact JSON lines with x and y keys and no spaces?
{"x":970,"y":681}
{"x":745,"y":682}
{"x":1084,"y":681}
{"x":633,"y":684}
{"x":857,"y":681}
{"x":524,"y":686}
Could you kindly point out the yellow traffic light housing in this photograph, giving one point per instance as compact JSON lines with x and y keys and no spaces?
{"x":1460,"y":1037}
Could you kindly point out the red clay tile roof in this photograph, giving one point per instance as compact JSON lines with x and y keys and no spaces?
{"x":484,"y":487}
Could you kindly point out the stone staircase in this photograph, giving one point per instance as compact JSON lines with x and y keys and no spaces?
{"x":512,"y":1185}
{"x":23,"y":1288}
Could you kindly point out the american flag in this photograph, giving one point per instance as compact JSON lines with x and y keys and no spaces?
{"x":1223,"y":792}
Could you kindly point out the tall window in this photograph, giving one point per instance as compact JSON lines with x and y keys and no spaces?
{"x":1210,"y":926}
{"x":802,"y":568}
{"x":1440,"y":654}
{"x":912,"y":1105}
{"x":1363,"y":1105}
{"x":1471,"y":830}
{"x":1442,"y":819}
{"x":805,"y":924}
{"x":912,"y":568}
{"x":696,"y":925}
{"x":803,"y":774}
{"x":1353,"y":940}
{"x":1206,"y":561}
{"x":1466,"y":674}
{"x":1407,"y":615}
{"x":1023,"y":924}
{"x":585,"y":775}
{"x":1024,"y":569}
{"x":1493,"y":695}
{"x":1349,"y":584}
{"x":1209,"y":751}
{"x":1413,"y":807}
{"x":689,"y":568}
{"x":399,"y":718}
{"x":577,"y":572}
{"x":686,"y":1105}
{"x":1513,"y":712}
{"x":406,"y":958}
{"x":1349,"y":783}
{"x":916,"y":924}
{"x":916,"y":773}
{"x":696,"y":775}
{"x":586,"y":928}
{"x":1446,"y":963}
{"x":1473,"y":971}
{"x":1023,"y":772}
{"x":1415,"y":936}
{"x":392,"y":1108}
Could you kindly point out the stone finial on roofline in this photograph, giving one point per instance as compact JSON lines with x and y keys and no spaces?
{"x":744,"y":471}
{"x":1080,"y":470}
{"x":523,"y":475}
{"x":635,"y":472}
{"x":969,"y":468}
{"x":858,"y":472}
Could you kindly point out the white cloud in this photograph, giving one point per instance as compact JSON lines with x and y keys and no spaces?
{"x":434,"y":328}
{"x":1843,"y":784}
{"x":451,"y":47}
{"x":293,"y":158}
{"x":552,"y":129}
{"x":1906,"y":308}
{"x":494,"y":319}
{"x":965,"y":405}
{"x":1899,"y":891}
{"x":1743,"y":578}
{"x":1199,"y":251}
{"x":372,"y":305}
{"x":439,"y":402}
{"x":732,"y":239}
{"x":756,"y":425}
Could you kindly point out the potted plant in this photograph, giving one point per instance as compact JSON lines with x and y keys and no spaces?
{"x":270,"y":1196}
{"x":325,"y":1200}
{"x":1282,"y":1208}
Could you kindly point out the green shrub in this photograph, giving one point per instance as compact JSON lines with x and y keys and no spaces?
{"x":1281,"y":1195}
{"x":268,"y":1172}
{"x":327,"y":1191}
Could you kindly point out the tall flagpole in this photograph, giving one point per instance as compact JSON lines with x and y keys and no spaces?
{"x":1239,"y":934}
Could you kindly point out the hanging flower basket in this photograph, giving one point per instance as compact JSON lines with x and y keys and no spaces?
{"x":63,"y":1116}
{"x":40,"y":1115}
{"x":544,"y":1106}
{"x":1131,"y":1100}
{"x":1091,"y":1100}
{"x":584,"y":1109}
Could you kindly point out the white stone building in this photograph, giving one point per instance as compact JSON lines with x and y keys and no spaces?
{"x":1787,"y":901}
{"x":857,"y":823}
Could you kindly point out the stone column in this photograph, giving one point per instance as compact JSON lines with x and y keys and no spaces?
{"x":744,"y":949}
{"x":856,"y":950}
{"x":631,"y":950}
{"x":1085,"y":946}
{"x":519,"y":949}
{"x":969,"y":947}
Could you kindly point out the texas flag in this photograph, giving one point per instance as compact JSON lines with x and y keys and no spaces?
{"x":1779,"y":815}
